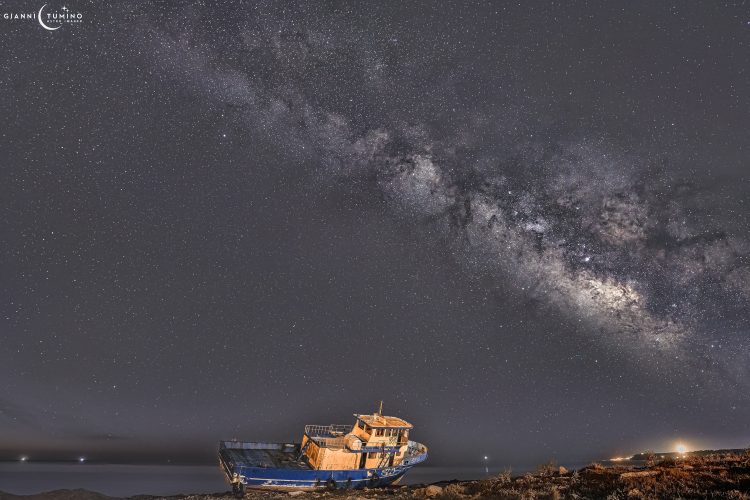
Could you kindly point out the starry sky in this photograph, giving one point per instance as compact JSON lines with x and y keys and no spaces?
{"x":523,"y":225}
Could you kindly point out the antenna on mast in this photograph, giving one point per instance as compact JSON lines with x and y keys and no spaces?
{"x":380,"y":411}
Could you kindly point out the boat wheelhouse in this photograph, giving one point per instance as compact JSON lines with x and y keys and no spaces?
{"x":375,"y":451}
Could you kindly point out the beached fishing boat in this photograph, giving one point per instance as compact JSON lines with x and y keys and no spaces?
{"x":375,"y":451}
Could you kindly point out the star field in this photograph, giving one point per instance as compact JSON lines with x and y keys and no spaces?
{"x":526,"y":222}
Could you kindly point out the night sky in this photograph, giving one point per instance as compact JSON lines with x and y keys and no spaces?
{"x":524,"y":226}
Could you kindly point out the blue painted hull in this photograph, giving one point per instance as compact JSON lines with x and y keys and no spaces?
{"x":280,"y":479}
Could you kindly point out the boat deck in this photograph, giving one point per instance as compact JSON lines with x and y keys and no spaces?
{"x":265,"y":457}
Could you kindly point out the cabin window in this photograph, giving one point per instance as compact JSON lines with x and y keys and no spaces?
{"x":372,"y":455}
{"x":360,"y":424}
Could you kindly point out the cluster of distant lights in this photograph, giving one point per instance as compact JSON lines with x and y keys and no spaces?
{"x":680,"y":448}
{"x":26,"y":459}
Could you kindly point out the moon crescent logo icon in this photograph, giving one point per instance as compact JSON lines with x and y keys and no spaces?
{"x":39,"y":17}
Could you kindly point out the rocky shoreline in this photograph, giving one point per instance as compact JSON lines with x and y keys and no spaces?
{"x":710,"y":476}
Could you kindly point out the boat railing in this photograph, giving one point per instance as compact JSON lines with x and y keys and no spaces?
{"x":329,"y":436}
{"x":253,"y":445}
{"x":333,"y":430}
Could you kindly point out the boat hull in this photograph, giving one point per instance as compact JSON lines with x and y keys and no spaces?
{"x":275,"y":466}
{"x":311,"y":480}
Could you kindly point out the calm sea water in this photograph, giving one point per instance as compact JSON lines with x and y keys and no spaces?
{"x":24,"y":478}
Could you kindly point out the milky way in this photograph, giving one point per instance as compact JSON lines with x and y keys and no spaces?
{"x":569,"y":218}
